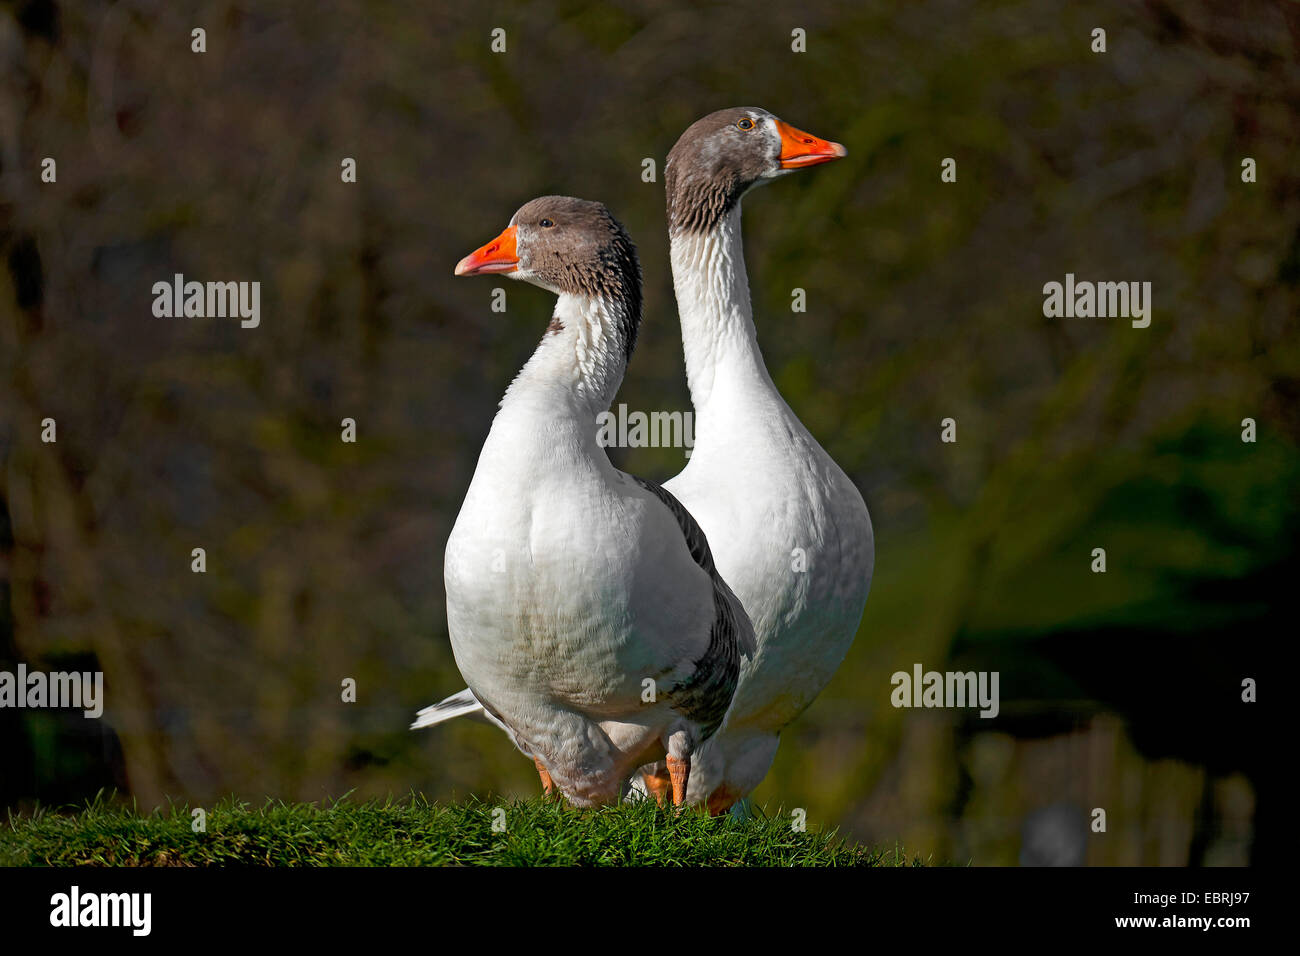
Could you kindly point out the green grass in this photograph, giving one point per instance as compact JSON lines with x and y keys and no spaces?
{"x":414,"y":832}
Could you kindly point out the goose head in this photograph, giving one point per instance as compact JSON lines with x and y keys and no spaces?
{"x":570,"y":247}
{"x":725,"y":154}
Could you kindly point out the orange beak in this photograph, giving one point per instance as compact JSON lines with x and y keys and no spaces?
{"x":499,"y":255}
{"x":800,"y":149}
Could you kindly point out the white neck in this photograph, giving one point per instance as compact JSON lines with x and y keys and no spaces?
{"x":718,"y":337}
{"x":578,"y":368}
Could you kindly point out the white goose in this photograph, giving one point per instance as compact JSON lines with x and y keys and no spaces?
{"x":569,"y":583}
{"x":790,"y":532}
{"x":758,"y":482}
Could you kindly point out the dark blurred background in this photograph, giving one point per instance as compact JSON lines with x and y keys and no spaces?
{"x":1119,"y":690}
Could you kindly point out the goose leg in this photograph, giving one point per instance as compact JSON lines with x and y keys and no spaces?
{"x":680,"y":744}
{"x":548,"y":785}
{"x":679,"y":770}
{"x":720,"y":801}
{"x":658,"y":783}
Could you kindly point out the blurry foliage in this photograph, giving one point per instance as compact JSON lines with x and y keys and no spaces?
{"x":324,"y":559}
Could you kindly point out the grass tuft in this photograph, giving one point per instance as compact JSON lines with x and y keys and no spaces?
{"x":414,"y":832}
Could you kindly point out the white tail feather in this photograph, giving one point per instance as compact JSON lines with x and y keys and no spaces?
{"x":457,"y":705}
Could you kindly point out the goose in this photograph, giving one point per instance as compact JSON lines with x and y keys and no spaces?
{"x":790,"y":531}
{"x":583,"y":605}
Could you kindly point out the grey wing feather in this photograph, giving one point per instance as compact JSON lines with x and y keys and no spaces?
{"x":706,"y":696}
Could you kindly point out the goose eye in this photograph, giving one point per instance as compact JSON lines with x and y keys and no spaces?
{"x":546,"y":224}
{"x":746,"y":124}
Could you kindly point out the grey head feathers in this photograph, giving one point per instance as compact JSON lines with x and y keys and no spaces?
{"x":576,"y":247}
{"x":715,"y":161}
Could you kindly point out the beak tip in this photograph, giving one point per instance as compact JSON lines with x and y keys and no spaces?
{"x":800,"y":149}
{"x":499,"y":255}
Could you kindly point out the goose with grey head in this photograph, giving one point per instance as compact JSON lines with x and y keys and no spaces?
{"x":790,"y":531}
{"x":572,"y":586}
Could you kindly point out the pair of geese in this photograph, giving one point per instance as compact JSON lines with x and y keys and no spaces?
{"x":627,"y":634}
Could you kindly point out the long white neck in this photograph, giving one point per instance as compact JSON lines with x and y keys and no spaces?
{"x":579,"y":364}
{"x":718,"y":338}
